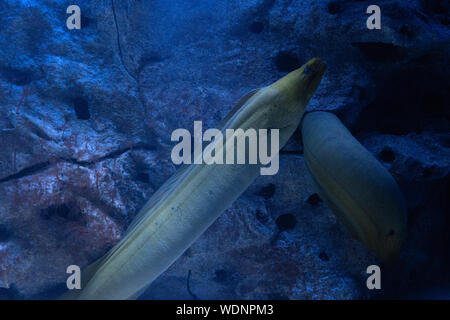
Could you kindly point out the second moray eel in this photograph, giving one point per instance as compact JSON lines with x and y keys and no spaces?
{"x":355,"y":185}
{"x":189,"y":202}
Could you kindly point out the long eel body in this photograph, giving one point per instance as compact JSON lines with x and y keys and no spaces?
{"x":189,"y":202}
{"x":355,"y":185}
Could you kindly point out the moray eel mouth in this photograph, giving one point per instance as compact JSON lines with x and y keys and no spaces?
{"x":314,"y":71}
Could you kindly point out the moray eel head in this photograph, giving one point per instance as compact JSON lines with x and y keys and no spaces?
{"x":280,"y":105}
{"x":299,"y":86}
{"x":293,"y":93}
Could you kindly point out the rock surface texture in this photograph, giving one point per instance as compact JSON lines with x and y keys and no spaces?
{"x":86,"y":118}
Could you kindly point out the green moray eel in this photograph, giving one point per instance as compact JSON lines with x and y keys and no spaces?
{"x":355,"y":185}
{"x":189,"y":202}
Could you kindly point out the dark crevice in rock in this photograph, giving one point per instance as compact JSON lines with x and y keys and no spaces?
{"x":81,"y":107}
{"x":381,"y":52}
{"x":286,"y":222}
{"x":119,"y":46}
{"x":146,"y":60}
{"x":387,"y":154}
{"x":314,"y":199}
{"x":324,"y":256}
{"x":188,"y":286}
{"x":65,"y":211}
{"x":111,"y":155}
{"x":408,"y":97}
{"x":39,"y":167}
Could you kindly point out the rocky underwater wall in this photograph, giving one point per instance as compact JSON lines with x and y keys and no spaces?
{"x":86,"y":118}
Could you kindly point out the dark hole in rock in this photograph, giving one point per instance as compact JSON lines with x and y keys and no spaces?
{"x":433,"y":104}
{"x":5,"y":233}
{"x":324,"y":256}
{"x":391,"y":233}
{"x":314,"y":199}
{"x":267,"y":192}
{"x":380,"y":51}
{"x":335,"y":7}
{"x":220,"y":276}
{"x":81,"y":108}
{"x":400,"y":96}
{"x":16,"y":76}
{"x":62,"y":210}
{"x":143,"y":177}
{"x":387,"y":154}
{"x":256,"y":27}
{"x":286,"y":61}
{"x":286,"y":222}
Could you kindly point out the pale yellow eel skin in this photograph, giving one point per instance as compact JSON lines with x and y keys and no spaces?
{"x":189,"y":202}
{"x":354,"y":184}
